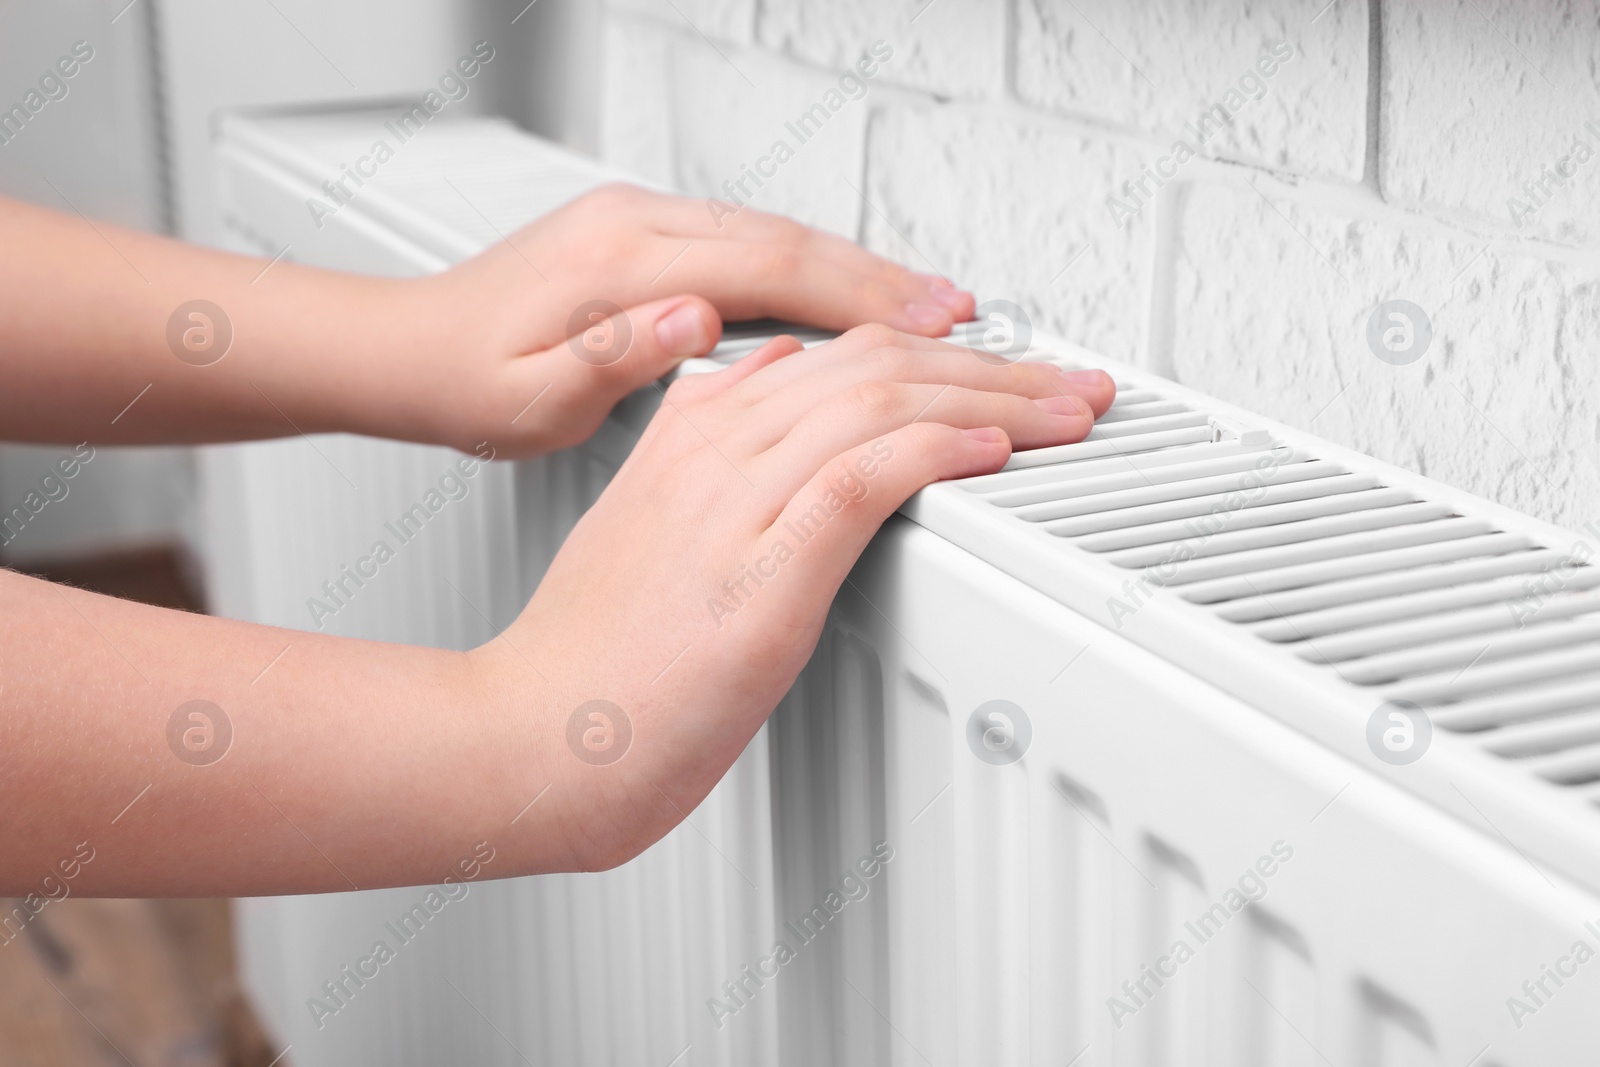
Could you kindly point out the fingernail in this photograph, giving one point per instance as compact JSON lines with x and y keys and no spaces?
{"x":928,"y":315}
{"x":1095,"y":378}
{"x":949,"y":296}
{"x":682,"y":332}
{"x":989,"y":435}
{"x":937,"y":281}
{"x":1065,"y":405}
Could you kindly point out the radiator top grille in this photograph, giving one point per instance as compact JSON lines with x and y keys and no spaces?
{"x":1494,"y":633}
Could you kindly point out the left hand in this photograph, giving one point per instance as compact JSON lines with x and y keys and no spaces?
{"x":535,"y":363}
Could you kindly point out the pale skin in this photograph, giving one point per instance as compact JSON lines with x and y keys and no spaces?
{"x":357,"y":764}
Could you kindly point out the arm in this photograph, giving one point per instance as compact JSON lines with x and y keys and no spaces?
{"x":359,"y":764}
{"x":101,"y":343}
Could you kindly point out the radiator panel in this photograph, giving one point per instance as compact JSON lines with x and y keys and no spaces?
{"x":1146,"y":809}
{"x":1028,"y":906}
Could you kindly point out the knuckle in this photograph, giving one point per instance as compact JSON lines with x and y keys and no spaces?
{"x":926,"y":438}
{"x":877,"y":400}
{"x":1041,"y":378}
{"x":894,"y":363}
{"x":614,"y":192}
{"x":874,"y":335}
{"x":777,"y":261}
{"x":787,"y":230}
{"x":598,"y":250}
{"x":686,"y":390}
{"x":693,"y":388}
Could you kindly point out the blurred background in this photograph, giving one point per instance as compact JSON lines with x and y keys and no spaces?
{"x":1425,"y":151}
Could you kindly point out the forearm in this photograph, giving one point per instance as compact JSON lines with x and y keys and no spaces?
{"x":351,"y":763}
{"x":85,"y":350}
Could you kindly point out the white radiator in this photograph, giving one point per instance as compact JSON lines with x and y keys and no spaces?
{"x":1199,"y":627}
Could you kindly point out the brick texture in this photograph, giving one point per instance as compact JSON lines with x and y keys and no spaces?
{"x":1155,"y":67}
{"x":950,"y":48}
{"x":1272,"y":302}
{"x":1483,"y":99}
{"x":721,"y":20}
{"x":636,"y":111}
{"x":1014,"y":211}
{"x":728,"y":128}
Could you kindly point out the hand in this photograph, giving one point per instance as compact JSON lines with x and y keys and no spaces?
{"x":695,"y":589}
{"x":528,"y":345}
{"x":689,"y":596}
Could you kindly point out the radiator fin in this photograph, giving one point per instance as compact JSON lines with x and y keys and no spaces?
{"x":1393,"y":592}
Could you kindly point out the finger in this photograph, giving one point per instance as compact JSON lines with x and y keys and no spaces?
{"x":775,"y":350}
{"x":874,"y":408}
{"x":877,"y":352}
{"x":712,"y":218}
{"x":914,"y":287}
{"x":748,"y":280}
{"x":851,"y":256}
{"x":748,"y":224}
{"x":924,"y":378}
{"x":946,"y":366}
{"x":829,"y":520}
{"x":574,"y":385}
{"x":950,"y":366}
{"x":613,"y":356}
{"x":848,"y":347}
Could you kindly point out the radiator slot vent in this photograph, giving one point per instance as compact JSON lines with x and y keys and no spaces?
{"x":1496,"y":635}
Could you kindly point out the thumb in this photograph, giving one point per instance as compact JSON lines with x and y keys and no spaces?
{"x":635,"y":347}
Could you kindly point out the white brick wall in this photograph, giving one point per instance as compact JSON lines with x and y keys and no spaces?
{"x":1376,"y":163}
{"x":1153,"y":67}
{"x":1481,"y":97}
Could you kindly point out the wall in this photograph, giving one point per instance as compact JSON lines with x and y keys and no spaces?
{"x":1374,"y":164}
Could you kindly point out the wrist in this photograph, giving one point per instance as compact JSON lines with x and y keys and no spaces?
{"x":546,"y":806}
{"x":596,"y":808}
{"x":406,"y":349}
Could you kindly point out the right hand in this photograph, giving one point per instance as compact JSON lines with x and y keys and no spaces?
{"x":694,"y":591}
